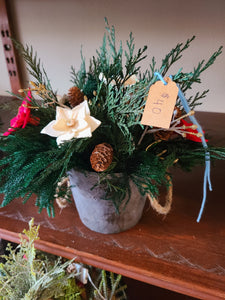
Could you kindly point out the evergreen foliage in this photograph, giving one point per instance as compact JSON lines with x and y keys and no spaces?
{"x":33,"y":65}
{"x":25,"y":275}
{"x":28,"y":274}
{"x":109,"y":287}
{"x":33,"y":162}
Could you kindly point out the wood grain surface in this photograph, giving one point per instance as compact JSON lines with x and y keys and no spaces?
{"x":175,"y":252}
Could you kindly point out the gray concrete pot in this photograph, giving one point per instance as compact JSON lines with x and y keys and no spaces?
{"x":98,"y":214}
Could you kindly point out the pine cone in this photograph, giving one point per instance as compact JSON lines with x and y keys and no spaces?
{"x":178,"y":112}
{"x":75,"y":96}
{"x":163,"y":135}
{"x":101,"y":157}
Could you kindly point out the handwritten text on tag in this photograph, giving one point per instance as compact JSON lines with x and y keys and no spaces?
{"x":160,"y":104}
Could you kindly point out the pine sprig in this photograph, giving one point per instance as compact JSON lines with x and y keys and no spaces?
{"x":149,"y":73}
{"x":109,"y":61}
{"x":34,"y":67}
{"x":117,"y":188}
{"x":150,"y":172}
{"x":123,"y":112}
{"x":174,"y":55}
{"x":195,"y":101}
{"x":78,"y":78}
{"x":32,"y":165}
{"x":133,"y":59}
{"x":194,"y":76}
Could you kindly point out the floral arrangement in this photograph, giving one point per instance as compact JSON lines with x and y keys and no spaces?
{"x":96,"y":126}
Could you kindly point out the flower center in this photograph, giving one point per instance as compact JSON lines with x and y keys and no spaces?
{"x":70,"y":123}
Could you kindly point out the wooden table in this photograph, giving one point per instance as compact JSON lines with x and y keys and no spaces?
{"x":175,"y":252}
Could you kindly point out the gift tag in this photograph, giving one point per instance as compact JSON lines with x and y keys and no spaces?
{"x":160,"y":104}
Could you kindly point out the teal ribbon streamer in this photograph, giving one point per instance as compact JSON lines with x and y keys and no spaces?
{"x":207,"y":179}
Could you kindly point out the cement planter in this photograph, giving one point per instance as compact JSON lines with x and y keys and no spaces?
{"x":98,"y":214}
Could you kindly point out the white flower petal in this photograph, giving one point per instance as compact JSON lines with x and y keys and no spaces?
{"x":84,"y":133}
{"x":64,"y":137}
{"x":50,"y":131}
{"x":81,"y":111}
{"x":93,"y":123}
{"x":63,"y":113}
{"x":81,"y":125}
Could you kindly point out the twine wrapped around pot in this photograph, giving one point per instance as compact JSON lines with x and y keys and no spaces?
{"x":163,"y":209}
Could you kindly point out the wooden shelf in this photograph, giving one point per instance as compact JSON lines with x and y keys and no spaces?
{"x":175,"y":253}
{"x":8,"y":47}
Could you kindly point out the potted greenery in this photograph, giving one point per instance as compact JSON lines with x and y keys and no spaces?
{"x":95,"y":135}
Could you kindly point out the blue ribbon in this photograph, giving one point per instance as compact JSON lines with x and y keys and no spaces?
{"x":205,"y":146}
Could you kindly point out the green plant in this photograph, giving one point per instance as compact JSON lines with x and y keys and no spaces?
{"x":28,"y":274}
{"x":25,"y":274}
{"x":109,"y":287}
{"x":115,"y":90}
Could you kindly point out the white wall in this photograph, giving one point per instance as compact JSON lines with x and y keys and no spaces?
{"x":57,"y":29}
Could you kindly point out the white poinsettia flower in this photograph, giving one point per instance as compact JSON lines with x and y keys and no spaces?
{"x":71,"y":123}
